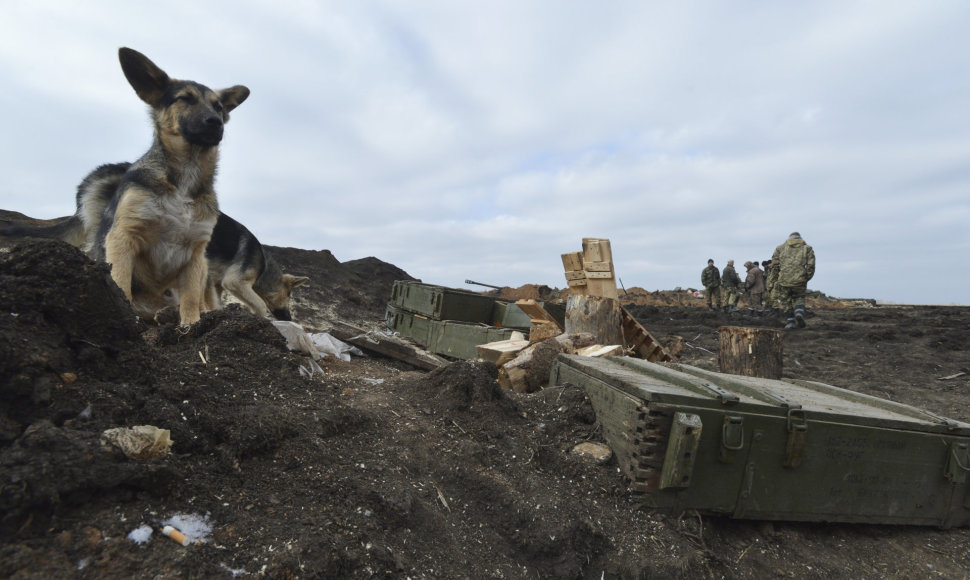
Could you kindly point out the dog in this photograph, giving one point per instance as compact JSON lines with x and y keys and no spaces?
{"x":154,"y":227}
{"x":237,"y":261}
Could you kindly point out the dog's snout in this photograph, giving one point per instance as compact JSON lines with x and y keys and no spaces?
{"x":213,"y":121}
{"x":282,"y":314}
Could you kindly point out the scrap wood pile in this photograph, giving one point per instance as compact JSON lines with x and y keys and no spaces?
{"x":524,"y":338}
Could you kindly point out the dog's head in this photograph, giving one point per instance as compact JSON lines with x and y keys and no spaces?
{"x":278,"y":299}
{"x":182,"y":110}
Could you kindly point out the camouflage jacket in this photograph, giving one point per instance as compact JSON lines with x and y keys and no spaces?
{"x":730,"y":278}
{"x":711,"y":277}
{"x":792,"y":264}
{"x":754,"y":282}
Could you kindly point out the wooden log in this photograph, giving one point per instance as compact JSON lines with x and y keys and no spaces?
{"x":544,"y":330}
{"x":598,"y":315}
{"x":752,"y":352}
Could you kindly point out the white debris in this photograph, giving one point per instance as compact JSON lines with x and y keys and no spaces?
{"x":196,"y":528}
{"x":141,"y":534}
{"x":317,"y":345}
{"x":234,"y":571}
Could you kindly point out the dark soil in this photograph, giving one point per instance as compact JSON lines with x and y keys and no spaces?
{"x":372,"y":468}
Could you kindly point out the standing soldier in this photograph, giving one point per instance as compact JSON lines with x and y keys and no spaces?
{"x":731,"y":283}
{"x":792,"y":266}
{"x":754,"y":284}
{"x":711,"y":279}
{"x":771,"y":301}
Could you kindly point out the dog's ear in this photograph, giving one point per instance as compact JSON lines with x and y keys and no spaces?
{"x":233,"y":96}
{"x":144,"y":76}
{"x":294,"y":281}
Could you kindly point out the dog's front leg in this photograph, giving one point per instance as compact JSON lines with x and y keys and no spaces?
{"x":120,"y":252}
{"x":191,"y":283}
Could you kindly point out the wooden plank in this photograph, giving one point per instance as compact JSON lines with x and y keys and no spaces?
{"x":502,"y":351}
{"x":597,"y":250}
{"x":576,"y":275}
{"x":599,"y":350}
{"x":598,"y":266}
{"x":572,"y":261}
{"x":535,"y":311}
{"x":386,"y":345}
{"x":643,"y":342}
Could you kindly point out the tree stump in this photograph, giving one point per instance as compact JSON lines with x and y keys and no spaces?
{"x":600,"y":316}
{"x":752,"y":352}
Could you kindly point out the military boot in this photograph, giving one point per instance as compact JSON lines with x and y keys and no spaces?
{"x":791,"y":324}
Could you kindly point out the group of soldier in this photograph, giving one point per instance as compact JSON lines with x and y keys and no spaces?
{"x":779,"y":288}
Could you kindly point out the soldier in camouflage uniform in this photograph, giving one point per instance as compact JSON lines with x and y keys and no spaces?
{"x":754,"y":285}
{"x":730,"y":284}
{"x":771,"y":301}
{"x":792,"y":266}
{"x":711,"y":279}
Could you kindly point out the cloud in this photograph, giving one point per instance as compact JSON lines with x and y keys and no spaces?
{"x":483,"y":140}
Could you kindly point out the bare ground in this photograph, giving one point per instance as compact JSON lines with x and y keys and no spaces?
{"x":374,"y":469}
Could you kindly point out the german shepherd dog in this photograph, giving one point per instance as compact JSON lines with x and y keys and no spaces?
{"x":154,"y":228}
{"x":237,"y":261}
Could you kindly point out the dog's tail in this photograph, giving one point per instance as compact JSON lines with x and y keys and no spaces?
{"x":69,"y":229}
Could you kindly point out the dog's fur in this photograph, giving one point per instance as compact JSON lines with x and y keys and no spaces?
{"x":237,"y":261}
{"x":155,"y":228}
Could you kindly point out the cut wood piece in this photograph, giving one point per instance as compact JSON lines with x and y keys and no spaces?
{"x":598,"y":315}
{"x":572,"y":261}
{"x":536,"y":311}
{"x":544,"y":330}
{"x":502,"y":351}
{"x":529,"y":371}
{"x":597,"y":250}
{"x":387,"y":345}
{"x":752,"y":352}
{"x":598,"y":266}
{"x":641,"y":341}
{"x":599,"y":350}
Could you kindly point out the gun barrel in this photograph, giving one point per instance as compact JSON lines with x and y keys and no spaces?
{"x":483,"y":284}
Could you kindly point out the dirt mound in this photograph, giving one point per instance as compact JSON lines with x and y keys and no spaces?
{"x":529,"y":292}
{"x":356,"y":291}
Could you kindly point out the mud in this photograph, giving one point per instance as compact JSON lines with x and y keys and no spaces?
{"x":371,"y":468}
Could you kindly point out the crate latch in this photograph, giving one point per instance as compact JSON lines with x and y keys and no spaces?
{"x":732,"y":438}
{"x":797,"y":432}
{"x":958,"y":462}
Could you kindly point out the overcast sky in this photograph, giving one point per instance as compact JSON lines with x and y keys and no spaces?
{"x":480,"y":140}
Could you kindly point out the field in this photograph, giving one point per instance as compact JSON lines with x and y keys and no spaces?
{"x":372,"y":468}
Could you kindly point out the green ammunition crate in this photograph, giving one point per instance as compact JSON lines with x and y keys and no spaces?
{"x":409,"y":324}
{"x":508,"y":315}
{"x":441,"y":303}
{"x":459,"y":339}
{"x":774,"y":449}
